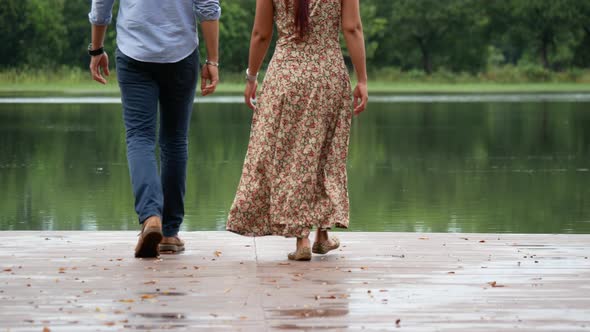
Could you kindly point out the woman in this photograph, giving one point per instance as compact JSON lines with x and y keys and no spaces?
{"x":294,"y":175}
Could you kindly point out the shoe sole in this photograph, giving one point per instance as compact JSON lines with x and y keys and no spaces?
{"x":170,"y":248}
{"x":149,"y":246}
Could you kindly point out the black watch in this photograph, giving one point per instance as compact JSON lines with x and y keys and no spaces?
{"x":95,"y":52}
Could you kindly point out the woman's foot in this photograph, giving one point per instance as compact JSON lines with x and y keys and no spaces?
{"x":303,"y":252}
{"x":324,"y":244}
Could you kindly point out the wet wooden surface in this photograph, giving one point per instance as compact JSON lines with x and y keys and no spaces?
{"x":89,"y":281}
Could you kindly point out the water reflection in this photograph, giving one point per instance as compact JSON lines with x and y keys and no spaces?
{"x":453,"y":166}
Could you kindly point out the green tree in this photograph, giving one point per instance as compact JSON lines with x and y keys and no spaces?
{"x":544,"y":27}
{"x":433,"y":28}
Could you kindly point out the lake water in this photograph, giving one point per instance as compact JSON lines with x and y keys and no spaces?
{"x":440,"y":164}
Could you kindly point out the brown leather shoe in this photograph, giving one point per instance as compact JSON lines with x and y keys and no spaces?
{"x":149,"y":238}
{"x":171,"y":245}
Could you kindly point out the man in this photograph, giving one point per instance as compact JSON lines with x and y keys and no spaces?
{"x":157,"y":64}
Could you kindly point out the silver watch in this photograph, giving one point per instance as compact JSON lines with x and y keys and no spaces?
{"x":251,"y":78}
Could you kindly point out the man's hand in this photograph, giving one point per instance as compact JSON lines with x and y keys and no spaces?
{"x":209,"y":79}
{"x":99,"y":65}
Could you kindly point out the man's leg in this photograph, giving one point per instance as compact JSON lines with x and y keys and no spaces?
{"x":177,"y":93}
{"x":139,"y":93}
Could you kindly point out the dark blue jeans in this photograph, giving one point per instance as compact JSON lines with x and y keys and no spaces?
{"x":144,"y":86}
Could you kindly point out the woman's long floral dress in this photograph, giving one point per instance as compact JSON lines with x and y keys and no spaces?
{"x":294,"y":175}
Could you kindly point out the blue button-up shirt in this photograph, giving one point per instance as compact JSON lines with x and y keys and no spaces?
{"x":162,"y":31}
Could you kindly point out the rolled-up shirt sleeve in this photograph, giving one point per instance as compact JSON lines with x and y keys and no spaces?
{"x":101,"y":12}
{"x":207,"y":10}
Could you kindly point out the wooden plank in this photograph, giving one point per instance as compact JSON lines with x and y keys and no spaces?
{"x":89,"y":281}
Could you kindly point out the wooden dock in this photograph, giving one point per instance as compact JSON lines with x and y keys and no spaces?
{"x":89,"y":281}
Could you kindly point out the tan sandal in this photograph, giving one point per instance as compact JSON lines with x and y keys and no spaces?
{"x":325,"y":247}
{"x":303,"y":254}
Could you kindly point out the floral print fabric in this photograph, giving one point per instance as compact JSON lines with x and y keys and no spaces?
{"x":294,"y":174}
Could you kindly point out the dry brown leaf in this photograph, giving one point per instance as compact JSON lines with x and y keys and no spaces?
{"x":482,"y":241}
{"x":148,"y":296}
{"x":494,"y":284}
{"x":109,"y":323}
{"x":151,"y":282}
{"x":451,"y":272}
{"x":364,"y":268}
{"x":7,"y":270}
{"x":397,"y":322}
{"x":127,"y":300}
{"x":46,"y":329}
{"x":217,"y":253}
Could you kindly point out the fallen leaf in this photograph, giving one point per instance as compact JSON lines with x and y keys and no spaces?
{"x":482,"y":241}
{"x":397,"y":322}
{"x":151,"y":282}
{"x":243,"y":317}
{"x":494,"y":284}
{"x":364,"y":268}
{"x":451,"y":272}
{"x":195,"y":267}
{"x":46,"y":329}
{"x":7,"y":270}
{"x":217,"y":253}
{"x":227,"y":290}
{"x":148,"y":296}
{"x":423,"y":238}
{"x":109,"y":323}
{"x":127,"y":300}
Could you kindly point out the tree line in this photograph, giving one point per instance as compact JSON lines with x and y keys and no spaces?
{"x":426,"y":35}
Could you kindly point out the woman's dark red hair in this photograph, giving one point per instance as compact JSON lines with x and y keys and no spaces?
{"x":301,"y":16}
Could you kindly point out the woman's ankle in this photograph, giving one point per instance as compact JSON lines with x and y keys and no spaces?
{"x":321,"y":236}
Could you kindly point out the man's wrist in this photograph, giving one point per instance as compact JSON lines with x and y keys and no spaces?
{"x":211,"y":62}
{"x":94,"y":51}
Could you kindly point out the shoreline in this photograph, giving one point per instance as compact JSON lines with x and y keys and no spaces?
{"x":375,"y":88}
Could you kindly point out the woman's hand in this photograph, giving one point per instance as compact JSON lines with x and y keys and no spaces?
{"x":361,"y":98}
{"x":250,"y":94}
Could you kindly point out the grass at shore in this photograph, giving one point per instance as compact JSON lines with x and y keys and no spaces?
{"x":75,"y":81}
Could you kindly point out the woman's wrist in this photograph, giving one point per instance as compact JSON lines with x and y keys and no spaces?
{"x":251,"y":77}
